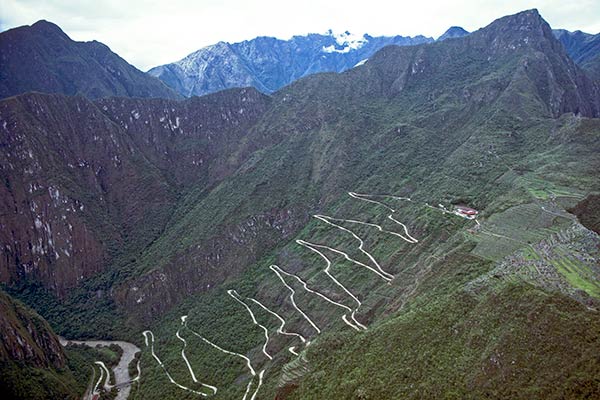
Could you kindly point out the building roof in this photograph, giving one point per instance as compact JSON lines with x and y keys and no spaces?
{"x":466,"y":209}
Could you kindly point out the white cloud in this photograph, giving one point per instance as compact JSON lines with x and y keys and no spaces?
{"x":149,"y":33}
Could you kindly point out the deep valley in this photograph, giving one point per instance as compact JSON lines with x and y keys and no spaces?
{"x":421,"y":226}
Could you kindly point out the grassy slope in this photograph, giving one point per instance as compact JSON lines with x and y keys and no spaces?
{"x":515,"y":342}
{"x":504,"y":155}
{"x":439,"y":236}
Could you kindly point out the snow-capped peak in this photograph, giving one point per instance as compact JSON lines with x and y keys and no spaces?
{"x":345,"y":41}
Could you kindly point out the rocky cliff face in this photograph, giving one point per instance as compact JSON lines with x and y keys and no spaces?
{"x":42,"y":58}
{"x":268,"y":64}
{"x":57,"y":173}
{"x":26,"y":337}
{"x":86,"y":182}
{"x":191,"y":141}
{"x":557,"y":80}
{"x":33,"y":364}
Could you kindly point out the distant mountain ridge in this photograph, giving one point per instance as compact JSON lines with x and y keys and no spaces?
{"x":42,"y":58}
{"x":583,"y":48}
{"x":268,"y":64}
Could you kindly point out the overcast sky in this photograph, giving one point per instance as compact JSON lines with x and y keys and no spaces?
{"x":153,"y":32}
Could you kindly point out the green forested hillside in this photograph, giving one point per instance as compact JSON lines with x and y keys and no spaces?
{"x":333,"y":211}
{"x":469,"y":122}
{"x":33,"y":364}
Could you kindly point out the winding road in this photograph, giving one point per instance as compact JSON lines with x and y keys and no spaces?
{"x":278,"y":271}
{"x":100,"y":378}
{"x":151,"y":335}
{"x":410,"y":238}
{"x":237,"y":298}
{"x":386,"y":276}
{"x":280,"y":328}
{"x":364,"y":197}
{"x":121,"y":370}
{"x":314,"y":248}
{"x":380,"y":272}
{"x":327,"y":299}
{"x":383,"y":275}
{"x":187,"y":362}
{"x":232,"y":353}
{"x":349,"y":318}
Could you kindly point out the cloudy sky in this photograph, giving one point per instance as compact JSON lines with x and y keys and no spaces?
{"x":153,"y":32}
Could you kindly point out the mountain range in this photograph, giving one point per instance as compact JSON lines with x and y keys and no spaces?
{"x":56,"y":64}
{"x":268,"y":64}
{"x":421,"y":225}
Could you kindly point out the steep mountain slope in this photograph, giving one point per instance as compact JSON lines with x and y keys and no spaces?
{"x":497,"y":347}
{"x":592,"y":67}
{"x":75,"y":187}
{"x":88,"y":186}
{"x":583,"y":48}
{"x":42,"y":58}
{"x":501,"y":67}
{"x":32,"y":362}
{"x":268,"y":64}
{"x":491,"y":120}
{"x":291,"y":219}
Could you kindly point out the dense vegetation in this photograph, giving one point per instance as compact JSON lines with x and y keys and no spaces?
{"x":33,"y":365}
{"x":495,"y":154}
{"x":81,"y":360}
{"x":501,"y":344}
{"x":21,"y":381}
{"x":500,"y":120}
